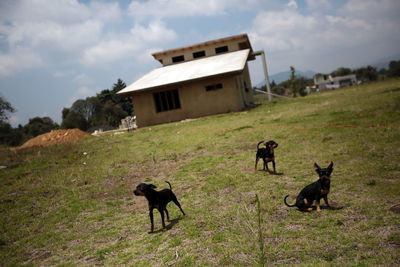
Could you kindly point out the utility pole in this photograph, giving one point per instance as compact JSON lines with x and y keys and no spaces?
{"x":262,"y":54}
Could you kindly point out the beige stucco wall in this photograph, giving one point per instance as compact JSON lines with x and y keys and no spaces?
{"x":209,"y":50}
{"x":195,"y":100}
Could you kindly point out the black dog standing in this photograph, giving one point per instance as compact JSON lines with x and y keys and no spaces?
{"x":314,"y":191}
{"x":267,"y":154}
{"x":157,"y":200}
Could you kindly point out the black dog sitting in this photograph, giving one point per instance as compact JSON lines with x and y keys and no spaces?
{"x":267,"y":154}
{"x":158,"y":200}
{"x":314,"y":191}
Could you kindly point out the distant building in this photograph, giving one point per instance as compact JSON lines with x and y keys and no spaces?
{"x":198,"y":80}
{"x":323,"y":82}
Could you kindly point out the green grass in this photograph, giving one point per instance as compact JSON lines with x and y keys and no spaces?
{"x":59,"y":206}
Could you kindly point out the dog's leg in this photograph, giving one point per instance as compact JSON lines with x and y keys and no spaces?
{"x":307,"y":205}
{"x":273,"y":165}
{"x":151,"y":220}
{"x":318,"y":205}
{"x":255,"y":167}
{"x":326,"y":200}
{"x":175,"y":200}
{"x":166,"y":212}
{"x":266,"y":165}
{"x":162,"y":218}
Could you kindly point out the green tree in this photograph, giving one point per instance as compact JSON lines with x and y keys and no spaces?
{"x":11,"y":136}
{"x":394,"y":69}
{"x":105,"y":109}
{"x":111,"y":95}
{"x":293,"y":84}
{"x":5,"y":108}
{"x":368,"y":73}
{"x":74,"y":120}
{"x":37,"y":126}
{"x":342,"y":71}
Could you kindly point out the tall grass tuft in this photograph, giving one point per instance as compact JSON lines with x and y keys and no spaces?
{"x":260,"y":235}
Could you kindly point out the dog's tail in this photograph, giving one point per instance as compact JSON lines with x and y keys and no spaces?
{"x":170,"y":187}
{"x":287,"y":203}
{"x":259,"y":143}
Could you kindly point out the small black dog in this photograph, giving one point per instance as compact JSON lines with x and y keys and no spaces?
{"x":157,"y":200}
{"x":314,"y":191}
{"x":267,"y":154}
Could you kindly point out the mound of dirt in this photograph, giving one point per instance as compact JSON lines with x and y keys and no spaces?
{"x":56,"y":137}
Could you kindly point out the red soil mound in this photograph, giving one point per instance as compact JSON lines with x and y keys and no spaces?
{"x":56,"y":137}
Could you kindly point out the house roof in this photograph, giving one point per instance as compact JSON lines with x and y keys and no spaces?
{"x":191,"y":70}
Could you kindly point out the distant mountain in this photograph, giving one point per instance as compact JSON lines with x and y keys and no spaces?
{"x":284,"y":76}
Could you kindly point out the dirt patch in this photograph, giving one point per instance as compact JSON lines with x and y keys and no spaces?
{"x":55,"y":137}
{"x":395,"y":209}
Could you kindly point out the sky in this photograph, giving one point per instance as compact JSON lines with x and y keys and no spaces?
{"x":54,"y":52}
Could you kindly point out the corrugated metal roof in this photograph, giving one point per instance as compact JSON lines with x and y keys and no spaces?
{"x":190,"y":70}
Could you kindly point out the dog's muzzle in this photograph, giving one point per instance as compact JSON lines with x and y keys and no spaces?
{"x":138,"y":193}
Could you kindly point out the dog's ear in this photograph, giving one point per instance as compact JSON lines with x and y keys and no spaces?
{"x":152,"y":186}
{"x":330,"y":167}
{"x":317,"y":168}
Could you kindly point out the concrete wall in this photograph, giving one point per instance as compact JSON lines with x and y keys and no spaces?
{"x":209,"y":49}
{"x":195,"y":100}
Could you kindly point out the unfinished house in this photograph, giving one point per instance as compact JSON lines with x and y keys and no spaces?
{"x":198,"y":80}
{"x":323,"y":82}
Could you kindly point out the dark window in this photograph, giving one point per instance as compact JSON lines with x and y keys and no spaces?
{"x":167,"y":100}
{"x":199,"y":54}
{"x":243,"y":45}
{"x":213,"y":87}
{"x":221,"y":49}
{"x":178,"y":59}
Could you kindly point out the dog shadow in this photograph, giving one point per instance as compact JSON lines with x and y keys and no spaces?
{"x":277,"y":173}
{"x":272,"y":173}
{"x":169,"y":226}
{"x":328,"y":208}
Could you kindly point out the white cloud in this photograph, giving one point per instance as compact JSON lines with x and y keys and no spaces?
{"x":128,"y":45}
{"x":17,"y":60}
{"x":57,"y":36}
{"x":80,"y":93}
{"x":155,"y":33}
{"x":290,"y":29}
{"x":160,"y":9}
{"x":174,"y":8}
{"x":371,"y":9}
{"x":326,"y":39}
{"x":282,"y":30}
{"x":292,"y":4}
{"x":50,"y":30}
{"x":319,"y":4}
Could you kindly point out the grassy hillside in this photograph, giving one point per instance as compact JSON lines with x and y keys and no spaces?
{"x":73,"y":204}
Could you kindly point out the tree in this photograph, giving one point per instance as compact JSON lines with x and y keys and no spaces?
{"x":368,"y":73}
{"x":37,"y":126}
{"x":394,"y":69}
{"x":273,"y":84}
{"x":293,"y":85}
{"x":301,"y":84}
{"x":341,"y":72}
{"x":113,"y":113}
{"x":74,"y":120}
{"x":5,"y":107}
{"x":105,"y":109}
{"x":11,"y":136}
